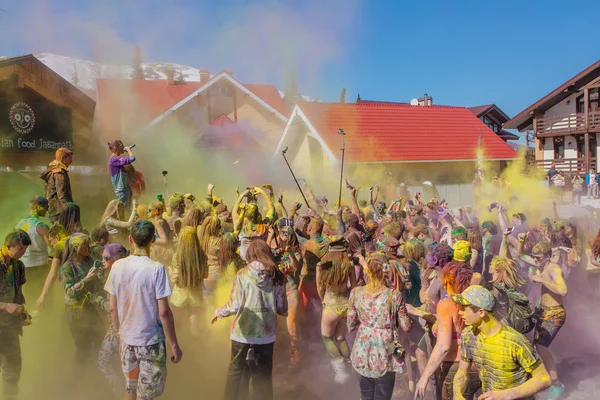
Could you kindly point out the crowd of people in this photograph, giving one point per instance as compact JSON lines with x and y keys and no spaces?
{"x":395,"y":286}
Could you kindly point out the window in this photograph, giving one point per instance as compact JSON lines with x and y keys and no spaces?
{"x":220,"y":91}
{"x":491,"y":124}
{"x":559,"y":147}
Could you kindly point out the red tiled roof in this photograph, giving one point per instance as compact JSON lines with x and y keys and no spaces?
{"x":222,"y":120}
{"x":270,"y":95}
{"x":226,"y":134}
{"x":136,"y":102}
{"x":396,"y":132}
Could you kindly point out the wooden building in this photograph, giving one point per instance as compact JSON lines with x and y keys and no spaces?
{"x":40,"y":112}
{"x":566,"y":123}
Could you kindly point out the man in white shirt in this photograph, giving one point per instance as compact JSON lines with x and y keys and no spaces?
{"x":139,"y":304}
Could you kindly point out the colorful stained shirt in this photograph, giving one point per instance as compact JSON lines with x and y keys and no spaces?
{"x":36,"y":254}
{"x":12,"y":278}
{"x":71,"y":276}
{"x":118,"y":176}
{"x":504,"y":361}
{"x":255,"y":301}
{"x":371,"y":314}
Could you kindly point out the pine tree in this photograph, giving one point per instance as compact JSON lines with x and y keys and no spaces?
{"x":138,"y":71}
{"x":74,"y":76}
{"x":290,"y":90}
{"x":343,"y":95}
{"x":179,"y":78}
{"x":358,"y":98}
{"x":97,"y":66}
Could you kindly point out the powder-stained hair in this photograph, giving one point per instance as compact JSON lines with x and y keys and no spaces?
{"x":190,"y":260}
{"x":474,"y":239}
{"x":542,"y":249}
{"x":114,"y":209}
{"x":336,"y":268}
{"x":507,"y":273}
{"x":192,"y":217}
{"x":228,"y":250}
{"x":210,"y":229}
{"x":440,"y":255}
{"x":457,"y":275}
{"x":260,"y":251}
{"x":17,"y":237}
{"x":415,"y":250}
{"x":376,"y":270}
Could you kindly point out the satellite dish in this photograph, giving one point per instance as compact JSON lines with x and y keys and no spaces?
{"x":414,"y":102}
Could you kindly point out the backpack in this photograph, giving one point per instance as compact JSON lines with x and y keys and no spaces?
{"x":519,"y":315}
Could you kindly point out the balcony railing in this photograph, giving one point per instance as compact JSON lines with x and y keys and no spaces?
{"x":567,"y":165}
{"x":574,"y":123}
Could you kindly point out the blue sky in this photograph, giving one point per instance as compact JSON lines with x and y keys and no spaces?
{"x":460,"y":52}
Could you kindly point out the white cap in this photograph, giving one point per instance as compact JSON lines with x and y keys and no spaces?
{"x":427,"y":183}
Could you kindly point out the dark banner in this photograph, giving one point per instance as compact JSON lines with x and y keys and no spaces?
{"x":29,"y":122}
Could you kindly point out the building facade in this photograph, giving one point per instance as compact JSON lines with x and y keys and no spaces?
{"x":566,"y":123}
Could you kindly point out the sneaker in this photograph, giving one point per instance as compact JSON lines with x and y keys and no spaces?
{"x":341,"y":373}
{"x":555,"y":391}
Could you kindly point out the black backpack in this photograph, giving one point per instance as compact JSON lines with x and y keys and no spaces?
{"x":519,"y":315}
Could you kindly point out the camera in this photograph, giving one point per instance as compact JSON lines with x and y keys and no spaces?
{"x":25,"y":318}
{"x":395,"y":349}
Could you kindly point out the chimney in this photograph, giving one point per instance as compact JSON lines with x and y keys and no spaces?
{"x":204,"y":75}
{"x":170,"y":75}
{"x":425,"y":100}
{"x":429,"y":100}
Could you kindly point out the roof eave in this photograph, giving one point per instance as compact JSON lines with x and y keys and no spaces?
{"x":522,"y":120}
{"x":429,"y":161}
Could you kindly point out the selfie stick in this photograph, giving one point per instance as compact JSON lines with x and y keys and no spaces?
{"x":164,"y":174}
{"x":343,"y":133}
{"x":294,"y":176}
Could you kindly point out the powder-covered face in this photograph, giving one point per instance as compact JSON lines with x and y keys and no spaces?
{"x":16,"y":251}
{"x":380,"y":207}
{"x":470,"y":316}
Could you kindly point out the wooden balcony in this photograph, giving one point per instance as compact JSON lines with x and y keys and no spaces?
{"x":567,"y":125}
{"x":567,"y":165}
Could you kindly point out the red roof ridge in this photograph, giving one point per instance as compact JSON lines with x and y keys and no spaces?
{"x":380,"y":104}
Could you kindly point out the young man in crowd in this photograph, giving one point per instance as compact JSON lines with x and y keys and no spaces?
{"x":139,"y":305}
{"x":12,"y":301}
{"x":58,"y":183}
{"x":508,"y":366}
{"x":551,"y":314}
{"x":57,"y":239}
{"x":35,"y":258}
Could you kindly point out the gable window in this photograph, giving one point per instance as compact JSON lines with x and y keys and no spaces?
{"x":491,"y":124}
{"x":220,"y":91}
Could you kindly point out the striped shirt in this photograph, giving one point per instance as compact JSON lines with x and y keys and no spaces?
{"x":504,"y":360}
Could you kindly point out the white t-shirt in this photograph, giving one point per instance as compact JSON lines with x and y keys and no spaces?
{"x":138,"y":282}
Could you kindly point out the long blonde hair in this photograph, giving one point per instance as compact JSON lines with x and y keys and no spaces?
{"x":112,"y":210}
{"x":336,"y":268}
{"x":190,"y":259}
{"x":507,"y":273}
{"x":210,"y":229}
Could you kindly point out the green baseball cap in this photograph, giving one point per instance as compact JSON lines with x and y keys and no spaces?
{"x":476,"y":296}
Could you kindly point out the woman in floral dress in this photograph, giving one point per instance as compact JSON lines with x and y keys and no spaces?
{"x":377,"y":311}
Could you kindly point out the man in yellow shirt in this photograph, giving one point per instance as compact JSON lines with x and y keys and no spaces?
{"x":509,"y":367}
